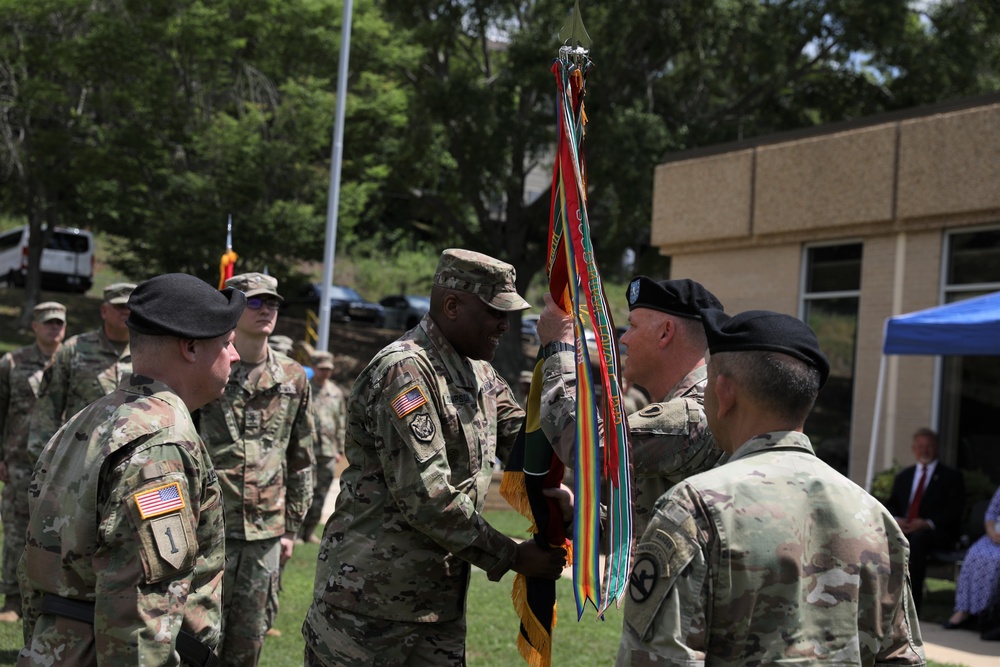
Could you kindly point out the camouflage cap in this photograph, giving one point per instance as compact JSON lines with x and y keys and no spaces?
{"x":282,"y":344}
{"x":488,"y":278}
{"x":322,"y":360}
{"x":49,"y":310}
{"x":117,"y":293}
{"x":253,"y":284}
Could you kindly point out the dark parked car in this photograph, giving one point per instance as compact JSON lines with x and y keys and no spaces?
{"x":346,"y":305}
{"x":403,"y":311}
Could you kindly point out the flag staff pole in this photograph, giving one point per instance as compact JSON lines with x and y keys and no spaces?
{"x":333,"y":202}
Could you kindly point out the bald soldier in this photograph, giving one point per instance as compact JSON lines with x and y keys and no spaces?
{"x":20,"y":378}
{"x":427,"y":419}
{"x":775,"y":556}
{"x":87,"y":367}
{"x":124,"y":555}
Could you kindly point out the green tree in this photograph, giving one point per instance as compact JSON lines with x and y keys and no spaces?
{"x":669,"y":76}
{"x":154,"y":121}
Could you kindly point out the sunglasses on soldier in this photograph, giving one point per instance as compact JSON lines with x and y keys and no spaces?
{"x":256,"y":303}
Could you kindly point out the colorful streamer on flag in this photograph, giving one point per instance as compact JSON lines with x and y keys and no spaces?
{"x":575,"y":284}
{"x":228,"y":259}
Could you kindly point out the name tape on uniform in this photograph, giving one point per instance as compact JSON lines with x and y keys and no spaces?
{"x":160,"y":500}
{"x":408,"y":401}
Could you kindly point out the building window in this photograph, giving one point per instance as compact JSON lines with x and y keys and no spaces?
{"x":831,"y":288}
{"x":969,"y":397}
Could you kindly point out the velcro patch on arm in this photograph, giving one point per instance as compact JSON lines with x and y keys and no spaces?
{"x":408,"y":401}
{"x":161,"y":500}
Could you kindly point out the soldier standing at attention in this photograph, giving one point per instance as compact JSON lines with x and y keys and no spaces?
{"x":427,"y":420}
{"x":259,"y":434}
{"x":329,"y":408}
{"x":85,"y":368}
{"x":775,"y":556}
{"x":124,"y":549}
{"x":665,"y":355}
{"x":20,"y":377}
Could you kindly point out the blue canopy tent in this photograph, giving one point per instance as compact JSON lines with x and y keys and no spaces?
{"x":968,"y":327}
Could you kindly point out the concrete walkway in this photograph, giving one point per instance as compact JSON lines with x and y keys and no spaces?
{"x":959,"y":647}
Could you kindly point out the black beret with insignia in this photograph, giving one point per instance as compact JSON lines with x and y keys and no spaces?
{"x":685,"y":297}
{"x":183,"y":306}
{"x":768,"y":331}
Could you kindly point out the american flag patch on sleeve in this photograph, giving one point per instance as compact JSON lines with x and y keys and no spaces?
{"x":408,"y":401}
{"x":160,"y":500}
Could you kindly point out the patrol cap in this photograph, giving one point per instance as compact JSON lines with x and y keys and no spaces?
{"x":684,"y":297}
{"x":765,"y":330}
{"x":176,"y":304}
{"x":322,"y":360}
{"x":48,"y":310}
{"x":255,"y":284}
{"x":117,"y":293}
{"x":488,"y":278}
{"x":280,"y":343}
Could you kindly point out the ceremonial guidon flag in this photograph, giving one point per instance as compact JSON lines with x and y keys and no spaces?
{"x":160,"y":500}
{"x":576,"y":285}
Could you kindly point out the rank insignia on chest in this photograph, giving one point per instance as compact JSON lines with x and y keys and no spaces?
{"x":422,"y":427}
{"x":160,"y":500}
{"x":408,"y":401}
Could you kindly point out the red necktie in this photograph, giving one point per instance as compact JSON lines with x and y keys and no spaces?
{"x":914,"y":510}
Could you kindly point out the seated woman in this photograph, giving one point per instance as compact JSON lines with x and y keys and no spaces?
{"x":979,"y":581}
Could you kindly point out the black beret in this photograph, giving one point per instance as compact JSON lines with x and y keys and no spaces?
{"x":179,"y":305}
{"x":765,"y":330}
{"x":677,"y":297}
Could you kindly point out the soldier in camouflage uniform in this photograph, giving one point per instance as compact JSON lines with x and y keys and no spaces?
{"x":87,"y":367}
{"x":259,"y":435}
{"x":774,"y":557}
{"x":20,"y":377}
{"x":665,"y":345}
{"x":329,"y":408}
{"x":427,"y":420}
{"x":124,"y":548}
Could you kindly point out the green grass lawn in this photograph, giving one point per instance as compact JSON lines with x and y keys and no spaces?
{"x":492,"y":623}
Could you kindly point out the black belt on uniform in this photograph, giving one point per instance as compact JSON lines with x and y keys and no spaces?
{"x":189,"y":647}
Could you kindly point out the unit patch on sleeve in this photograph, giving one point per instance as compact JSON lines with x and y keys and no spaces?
{"x":160,"y":500}
{"x":408,"y":401}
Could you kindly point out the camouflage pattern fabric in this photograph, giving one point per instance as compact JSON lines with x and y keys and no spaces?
{"x":260,"y":437}
{"x":14,"y":508}
{"x":20,"y":380}
{"x":329,"y":409}
{"x":251,"y":584}
{"x":772,"y":558}
{"x":84,"y":369}
{"x":670,"y":439}
{"x":337,"y":637}
{"x":425,"y":427}
{"x":126,"y":512}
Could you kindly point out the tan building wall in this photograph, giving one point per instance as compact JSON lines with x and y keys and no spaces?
{"x":739,"y":220}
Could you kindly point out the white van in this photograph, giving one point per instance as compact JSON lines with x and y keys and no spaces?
{"x":67,"y":260}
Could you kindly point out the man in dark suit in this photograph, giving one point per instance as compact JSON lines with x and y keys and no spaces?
{"x":927,"y":501}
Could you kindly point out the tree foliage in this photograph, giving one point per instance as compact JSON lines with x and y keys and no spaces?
{"x":154,"y":121}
